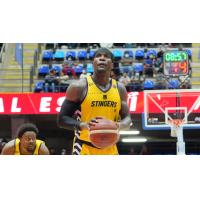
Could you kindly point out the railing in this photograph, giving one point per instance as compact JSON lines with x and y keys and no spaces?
{"x":1,"y":53}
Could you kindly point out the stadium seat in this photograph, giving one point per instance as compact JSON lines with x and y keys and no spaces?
{"x":151,"y":53}
{"x":58,"y":69}
{"x":148,"y":85}
{"x":59,"y":56}
{"x":128,"y":54}
{"x":138,"y":68}
{"x":82,"y":55}
{"x":117,"y":54}
{"x":189,"y":52}
{"x":43,"y":70}
{"x":139,"y":54}
{"x":71,"y":54}
{"x":39,"y":86}
{"x":47,"y":56}
{"x":125,"y":69}
{"x":78,"y":69}
{"x":90,"y":68}
{"x":91,"y":55}
{"x":173,"y":84}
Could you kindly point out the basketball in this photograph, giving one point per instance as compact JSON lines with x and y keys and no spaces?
{"x":104,"y":134}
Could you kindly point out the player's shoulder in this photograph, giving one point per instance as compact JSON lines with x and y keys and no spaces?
{"x":121,"y":87}
{"x":9,"y":148}
{"x":81,"y":83}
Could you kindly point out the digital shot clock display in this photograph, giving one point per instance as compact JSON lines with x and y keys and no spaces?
{"x":175,"y":63}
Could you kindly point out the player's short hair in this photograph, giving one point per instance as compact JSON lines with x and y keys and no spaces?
{"x":26,"y":127}
{"x":104,"y":50}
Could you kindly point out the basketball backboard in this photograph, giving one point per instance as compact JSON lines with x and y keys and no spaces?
{"x":163,"y":105}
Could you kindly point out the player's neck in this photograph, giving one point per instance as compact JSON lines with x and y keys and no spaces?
{"x":101,"y":80}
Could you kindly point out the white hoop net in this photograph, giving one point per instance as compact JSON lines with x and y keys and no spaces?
{"x":175,"y":125}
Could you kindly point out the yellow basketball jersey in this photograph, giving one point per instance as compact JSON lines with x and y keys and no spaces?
{"x":36,"y":152}
{"x":99,"y":103}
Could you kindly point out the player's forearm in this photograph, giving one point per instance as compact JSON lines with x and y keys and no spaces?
{"x":125,"y":123}
{"x":68,"y":123}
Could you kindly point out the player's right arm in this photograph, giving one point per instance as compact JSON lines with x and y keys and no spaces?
{"x":9,"y":148}
{"x":74,"y":95}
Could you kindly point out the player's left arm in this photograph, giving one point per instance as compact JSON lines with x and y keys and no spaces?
{"x":125,"y":122}
{"x":43,"y":150}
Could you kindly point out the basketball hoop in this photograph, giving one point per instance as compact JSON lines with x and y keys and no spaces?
{"x":175,"y":124}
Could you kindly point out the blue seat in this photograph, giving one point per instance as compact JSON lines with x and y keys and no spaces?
{"x":82,"y":55}
{"x":117,"y":54}
{"x":148,"y":85}
{"x":173,"y":84}
{"x":128,"y":54}
{"x":189,"y":52}
{"x":47,"y":55}
{"x":139,"y":54}
{"x":58,"y":69}
{"x":39,"y":86}
{"x":151,"y":53}
{"x":43,"y":70}
{"x":71,"y":54}
{"x":138,"y":68}
{"x":91,"y":55}
{"x":89,"y":68}
{"x":59,"y":55}
{"x":78,"y":69}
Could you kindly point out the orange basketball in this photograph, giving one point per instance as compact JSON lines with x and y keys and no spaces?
{"x":104,"y":134}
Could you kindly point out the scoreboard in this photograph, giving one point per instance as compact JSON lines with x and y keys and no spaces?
{"x":175,"y":63}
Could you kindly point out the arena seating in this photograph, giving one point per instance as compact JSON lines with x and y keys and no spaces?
{"x":136,"y":62}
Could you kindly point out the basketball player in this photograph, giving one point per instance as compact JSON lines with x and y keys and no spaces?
{"x":26,"y":143}
{"x":96,"y":95}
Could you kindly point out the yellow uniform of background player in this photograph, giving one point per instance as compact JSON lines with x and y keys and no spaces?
{"x":26,"y":142}
{"x":98,"y":95}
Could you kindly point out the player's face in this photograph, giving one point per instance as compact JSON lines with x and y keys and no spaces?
{"x":28,"y":141}
{"x":102,"y":62}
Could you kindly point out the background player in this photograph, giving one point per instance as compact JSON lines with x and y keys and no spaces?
{"x":97,"y":95}
{"x":26,"y":143}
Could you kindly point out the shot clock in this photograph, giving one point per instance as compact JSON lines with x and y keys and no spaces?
{"x":175,"y":63}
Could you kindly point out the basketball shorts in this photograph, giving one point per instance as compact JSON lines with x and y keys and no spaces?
{"x":81,"y":147}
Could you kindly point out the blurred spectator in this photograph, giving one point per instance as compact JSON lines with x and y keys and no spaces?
{"x":124,"y":79}
{"x":52,"y":151}
{"x":63,"y":82}
{"x":160,"y":82}
{"x":157,"y":66}
{"x":51,"y":81}
{"x":148,"y":66}
{"x":68,"y":69}
{"x":106,"y":45}
{"x":63,"y":152}
{"x":144,"y":150}
{"x":83,"y":74}
{"x":132,"y":151}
